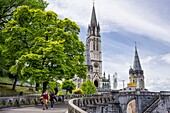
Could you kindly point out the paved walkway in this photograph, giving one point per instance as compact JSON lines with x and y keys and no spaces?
{"x":58,"y":108}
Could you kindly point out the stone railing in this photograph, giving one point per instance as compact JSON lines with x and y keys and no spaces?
{"x":152,"y":106}
{"x":139,"y":93}
{"x":165,"y":93}
{"x":17,"y":101}
{"x":72,"y":108}
{"x":104,"y":104}
{"x":71,"y":96}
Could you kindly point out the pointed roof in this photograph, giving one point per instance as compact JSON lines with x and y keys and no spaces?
{"x":93,"y":17}
{"x":136,"y":65}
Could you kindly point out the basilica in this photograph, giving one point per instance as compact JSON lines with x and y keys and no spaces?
{"x":93,"y":55}
{"x":134,"y":98}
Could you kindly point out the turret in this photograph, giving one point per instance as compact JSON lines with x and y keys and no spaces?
{"x":136,"y":74}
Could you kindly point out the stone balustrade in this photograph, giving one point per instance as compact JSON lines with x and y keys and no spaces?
{"x":98,"y":104}
{"x":71,"y":96}
{"x":17,"y":101}
{"x":72,"y":108}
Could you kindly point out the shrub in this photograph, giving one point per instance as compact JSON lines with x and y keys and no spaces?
{"x":77,"y":91}
{"x":61,"y":93}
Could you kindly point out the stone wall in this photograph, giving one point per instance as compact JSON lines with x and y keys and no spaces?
{"x":17,"y":101}
{"x":99,"y":104}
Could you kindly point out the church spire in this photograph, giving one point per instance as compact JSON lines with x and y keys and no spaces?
{"x":136,"y":65}
{"x":93,"y":18}
{"x":94,"y":27}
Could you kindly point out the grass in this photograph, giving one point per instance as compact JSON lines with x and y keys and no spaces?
{"x":8,"y":88}
{"x":5,"y":80}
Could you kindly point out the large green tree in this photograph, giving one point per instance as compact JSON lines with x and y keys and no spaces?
{"x":88,"y":87}
{"x":6,"y":11}
{"x":68,"y":85}
{"x":41,"y":47}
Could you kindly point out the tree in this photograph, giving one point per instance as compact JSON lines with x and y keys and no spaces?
{"x":7,"y":7}
{"x":41,"y":47}
{"x":88,"y":87}
{"x":68,"y":85}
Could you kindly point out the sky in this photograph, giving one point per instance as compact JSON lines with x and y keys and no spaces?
{"x":122,"y":23}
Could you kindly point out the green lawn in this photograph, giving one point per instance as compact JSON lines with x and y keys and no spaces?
{"x":7,"y":89}
{"x":5,"y":80}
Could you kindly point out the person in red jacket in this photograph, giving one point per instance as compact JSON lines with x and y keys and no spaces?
{"x":45,"y":98}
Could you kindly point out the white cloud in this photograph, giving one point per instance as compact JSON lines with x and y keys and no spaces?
{"x":115,"y":15}
{"x":146,"y":60}
{"x":166,"y":58}
{"x":120,"y":16}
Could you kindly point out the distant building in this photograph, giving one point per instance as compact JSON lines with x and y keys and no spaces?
{"x":136,"y":75}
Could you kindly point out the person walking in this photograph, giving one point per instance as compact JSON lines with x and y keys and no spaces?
{"x":45,"y":99}
{"x":52,"y":97}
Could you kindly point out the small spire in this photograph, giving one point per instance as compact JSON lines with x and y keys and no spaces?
{"x":136,"y":65}
{"x":104,"y":74}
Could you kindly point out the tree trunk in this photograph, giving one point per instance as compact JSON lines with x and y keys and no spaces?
{"x":36,"y":86}
{"x":56,"y":90}
{"x":45,"y":86}
{"x":15,"y":82}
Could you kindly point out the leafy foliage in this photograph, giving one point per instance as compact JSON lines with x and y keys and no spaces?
{"x":7,"y":7}
{"x":68,"y":85}
{"x":52,"y":85}
{"x":78,"y":91}
{"x":41,"y":47}
{"x":88,"y":87}
{"x":61,"y":93}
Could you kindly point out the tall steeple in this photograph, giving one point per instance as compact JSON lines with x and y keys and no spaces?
{"x":93,"y":18}
{"x":136,"y":65}
{"x":94,"y":27}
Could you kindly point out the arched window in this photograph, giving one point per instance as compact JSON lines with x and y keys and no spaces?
{"x":97,"y":44}
{"x":94,"y":44}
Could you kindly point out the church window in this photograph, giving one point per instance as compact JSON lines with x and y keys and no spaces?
{"x":97,"y":44}
{"x":89,"y":76}
{"x":94,"y":44}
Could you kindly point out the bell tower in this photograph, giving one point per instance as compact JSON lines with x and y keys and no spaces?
{"x":136,"y":73}
{"x":93,"y":50}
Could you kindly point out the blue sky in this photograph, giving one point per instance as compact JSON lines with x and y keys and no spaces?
{"x":124,"y":22}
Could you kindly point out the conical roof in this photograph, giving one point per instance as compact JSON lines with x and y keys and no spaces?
{"x":93,"y":18}
{"x":136,"y":65}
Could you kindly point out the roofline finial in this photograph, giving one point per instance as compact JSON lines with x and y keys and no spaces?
{"x":93,"y":2}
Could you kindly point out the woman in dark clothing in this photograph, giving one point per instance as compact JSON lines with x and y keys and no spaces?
{"x":52,"y":96}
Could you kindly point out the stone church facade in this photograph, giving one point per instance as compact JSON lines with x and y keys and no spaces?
{"x":93,"y":56}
